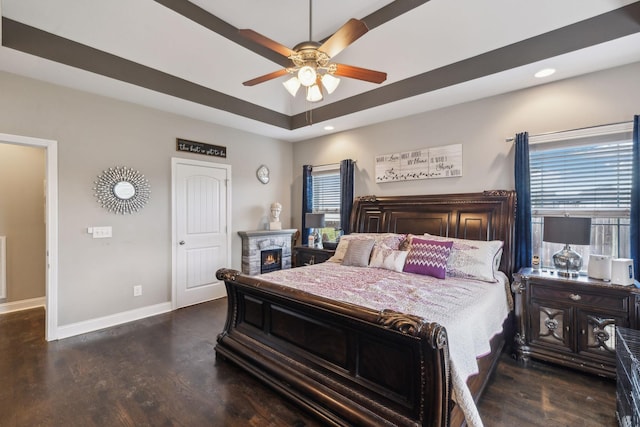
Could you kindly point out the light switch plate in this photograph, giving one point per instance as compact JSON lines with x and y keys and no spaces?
{"x":101,"y":232}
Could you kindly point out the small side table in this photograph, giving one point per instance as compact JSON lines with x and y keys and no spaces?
{"x":304,"y":255}
{"x":572,"y":322}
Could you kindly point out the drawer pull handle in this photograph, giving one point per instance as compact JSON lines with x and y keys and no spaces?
{"x":575,"y":297}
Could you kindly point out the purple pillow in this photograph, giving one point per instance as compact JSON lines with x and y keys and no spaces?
{"x":428,"y":257}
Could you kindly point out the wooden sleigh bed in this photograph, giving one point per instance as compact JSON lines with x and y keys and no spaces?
{"x":351,"y":365}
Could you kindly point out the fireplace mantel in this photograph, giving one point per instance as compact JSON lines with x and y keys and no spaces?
{"x":254,"y":242}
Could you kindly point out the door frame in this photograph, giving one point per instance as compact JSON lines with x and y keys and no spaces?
{"x":51,"y":227}
{"x":175,"y":161}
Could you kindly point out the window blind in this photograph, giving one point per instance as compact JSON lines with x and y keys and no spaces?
{"x":326,"y":193}
{"x":587,"y":174}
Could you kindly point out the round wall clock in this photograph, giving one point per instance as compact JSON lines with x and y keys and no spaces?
{"x":263,"y":174}
{"x":122,"y":190}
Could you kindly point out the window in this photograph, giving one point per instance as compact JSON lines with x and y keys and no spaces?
{"x":326,"y":197}
{"x":585,"y":173}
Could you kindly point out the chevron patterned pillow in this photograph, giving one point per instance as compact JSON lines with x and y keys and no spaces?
{"x":428,"y":257}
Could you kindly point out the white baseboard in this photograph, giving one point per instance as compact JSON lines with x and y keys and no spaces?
{"x":83,"y":327}
{"x":25,"y":304}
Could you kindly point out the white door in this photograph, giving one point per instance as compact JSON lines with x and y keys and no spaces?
{"x":201,"y":223}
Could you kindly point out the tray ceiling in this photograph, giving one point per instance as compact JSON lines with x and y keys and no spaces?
{"x":187,"y":57}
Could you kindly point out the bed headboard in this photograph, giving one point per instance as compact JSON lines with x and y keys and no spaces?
{"x":489,"y":215}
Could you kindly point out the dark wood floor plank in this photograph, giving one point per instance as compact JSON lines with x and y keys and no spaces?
{"x":162,"y":371}
{"x":547,"y":395}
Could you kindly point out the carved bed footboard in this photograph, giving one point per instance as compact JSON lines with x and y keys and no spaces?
{"x":355,"y":366}
{"x":347,"y":364}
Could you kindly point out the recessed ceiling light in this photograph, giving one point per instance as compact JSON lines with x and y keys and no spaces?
{"x":545,"y":72}
{"x":328,"y":127}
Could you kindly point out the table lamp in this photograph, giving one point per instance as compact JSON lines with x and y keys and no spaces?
{"x":315,"y":221}
{"x":567,"y":230}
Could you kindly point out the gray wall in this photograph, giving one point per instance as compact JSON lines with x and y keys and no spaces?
{"x":94,"y":133}
{"x":481,"y":127}
{"x":22,"y":220}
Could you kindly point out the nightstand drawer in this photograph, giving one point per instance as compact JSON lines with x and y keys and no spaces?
{"x":612,"y":302}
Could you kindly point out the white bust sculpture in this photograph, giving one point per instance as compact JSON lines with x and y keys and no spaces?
{"x":275,"y":223}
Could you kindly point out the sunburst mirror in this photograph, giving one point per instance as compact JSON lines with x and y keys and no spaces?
{"x":122,"y":190}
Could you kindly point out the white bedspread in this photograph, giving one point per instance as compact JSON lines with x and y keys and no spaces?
{"x":471,"y":311}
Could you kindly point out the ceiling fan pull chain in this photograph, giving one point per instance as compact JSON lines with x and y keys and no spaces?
{"x":309,"y":115}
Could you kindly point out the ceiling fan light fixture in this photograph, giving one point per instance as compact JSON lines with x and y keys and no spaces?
{"x":307,"y":75}
{"x":311,"y":65}
{"x":292,"y":85}
{"x":314,"y":93}
{"x":330,"y":83}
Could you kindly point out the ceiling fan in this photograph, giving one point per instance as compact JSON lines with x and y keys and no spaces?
{"x":311,"y":64}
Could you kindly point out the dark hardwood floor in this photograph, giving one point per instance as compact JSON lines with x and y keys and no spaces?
{"x":162,"y":371}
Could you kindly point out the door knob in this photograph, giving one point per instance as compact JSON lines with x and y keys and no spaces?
{"x":181,"y":242}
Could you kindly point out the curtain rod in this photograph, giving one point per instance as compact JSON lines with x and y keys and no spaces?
{"x":331,"y":164}
{"x":511,"y":139}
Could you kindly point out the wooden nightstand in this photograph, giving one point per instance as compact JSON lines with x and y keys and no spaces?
{"x":571,"y":321}
{"x":304,"y":255}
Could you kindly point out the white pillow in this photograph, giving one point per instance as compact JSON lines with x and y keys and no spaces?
{"x":472,"y":259}
{"x":388,"y":259}
{"x":390,"y":240}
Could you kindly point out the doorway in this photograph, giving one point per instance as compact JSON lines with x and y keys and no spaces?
{"x":201,"y":216}
{"x":51,"y":228}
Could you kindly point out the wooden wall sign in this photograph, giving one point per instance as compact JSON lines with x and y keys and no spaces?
{"x":200,"y":148}
{"x":426,"y":163}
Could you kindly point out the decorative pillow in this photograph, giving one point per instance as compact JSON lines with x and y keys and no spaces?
{"x":428,"y":257}
{"x":390,"y":240}
{"x":496,"y":261}
{"x":358,"y":253}
{"x":388,"y":259}
{"x":472,"y":259}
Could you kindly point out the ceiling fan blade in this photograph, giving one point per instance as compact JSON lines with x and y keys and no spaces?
{"x":347,"y":34}
{"x":266,"y":42}
{"x":266,"y":77}
{"x":360,"y":73}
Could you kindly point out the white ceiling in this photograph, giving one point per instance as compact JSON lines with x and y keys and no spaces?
{"x":433,"y":35}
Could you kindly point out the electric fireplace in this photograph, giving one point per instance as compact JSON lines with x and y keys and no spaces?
{"x":256,"y":246}
{"x":270,"y":260}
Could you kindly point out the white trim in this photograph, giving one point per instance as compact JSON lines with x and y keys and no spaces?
{"x":3,"y":266}
{"x":25,"y":304}
{"x":329,"y":168}
{"x":174,"y":227}
{"x":51,"y":149}
{"x":92,"y":325}
{"x":589,"y":132}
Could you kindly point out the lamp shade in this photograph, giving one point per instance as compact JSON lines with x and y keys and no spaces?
{"x":292,"y":85}
{"x":314,"y":220}
{"x":314,"y":93}
{"x":330,"y":83}
{"x":307,"y":75}
{"x":567,"y":230}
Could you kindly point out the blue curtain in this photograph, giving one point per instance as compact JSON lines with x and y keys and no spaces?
{"x":635,"y":197}
{"x":346,"y":194}
{"x":523,"y":237}
{"x":307,"y":201}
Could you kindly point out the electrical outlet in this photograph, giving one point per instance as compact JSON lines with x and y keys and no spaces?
{"x":137,"y":290}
